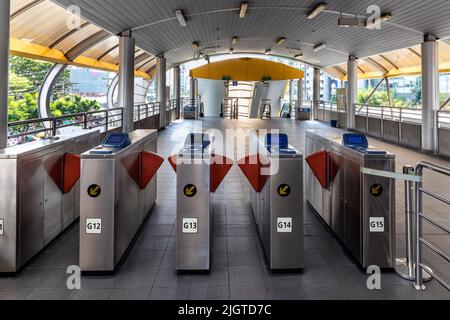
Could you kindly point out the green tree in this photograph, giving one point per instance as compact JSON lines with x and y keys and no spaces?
{"x":24,"y":108}
{"x":73,"y":104}
{"x":36,"y":70}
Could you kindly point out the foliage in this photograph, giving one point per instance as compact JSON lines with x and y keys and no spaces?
{"x":35,"y":71}
{"x":380,"y":98}
{"x":19,"y":85}
{"x":73,"y":104}
{"x":24,"y":108}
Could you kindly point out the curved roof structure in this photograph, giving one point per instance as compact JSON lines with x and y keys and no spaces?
{"x":84,"y":33}
{"x":402,"y":62}
{"x":44,"y":30}
{"x":246,"y":69}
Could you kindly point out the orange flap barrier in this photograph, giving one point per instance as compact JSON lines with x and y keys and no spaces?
{"x":150,"y":163}
{"x":220,"y":165}
{"x":131,"y":163}
{"x":71,"y":171}
{"x":251,"y":166}
{"x":173,"y":162}
{"x":318,"y":162}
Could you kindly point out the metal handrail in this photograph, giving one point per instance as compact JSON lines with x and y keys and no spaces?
{"x":420,"y":215}
{"x":106,"y":118}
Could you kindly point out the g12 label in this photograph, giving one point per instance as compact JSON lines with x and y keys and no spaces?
{"x":94,"y":226}
{"x":190,"y":225}
{"x":1,"y":227}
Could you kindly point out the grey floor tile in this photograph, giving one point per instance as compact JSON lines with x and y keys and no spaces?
{"x":209,"y":293}
{"x":129,"y":294}
{"x":15,"y":294}
{"x":169,"y":293}
{"x":90,"y":294}
{"x":135,"y":278}
{"x":250,"y":293}
{"x":49,"y":294}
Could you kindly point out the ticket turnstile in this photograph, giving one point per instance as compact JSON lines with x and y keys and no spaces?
{"x":39,"y":195}
{"x":118,"y":191}
{"x":359,"y":208}
{"x":199,"y":172}
{"x":190,"y":111}
{"x":275,"y":173}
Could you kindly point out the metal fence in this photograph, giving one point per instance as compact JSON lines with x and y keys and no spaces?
{"x":107,"y":119}
{"x":421,"y":216}
{"x":398,"y":125}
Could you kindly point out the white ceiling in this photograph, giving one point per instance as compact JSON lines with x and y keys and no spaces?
{"x":214,"y":22}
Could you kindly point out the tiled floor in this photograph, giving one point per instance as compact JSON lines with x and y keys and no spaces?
{"x":238,"y":269}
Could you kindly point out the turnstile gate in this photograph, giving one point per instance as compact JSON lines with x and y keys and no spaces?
{"x":359,"y":208}
{"x":275,"y":173}
{"x":199,"y":172}
{"x":39,"y":195}
{"x":118,"y":191}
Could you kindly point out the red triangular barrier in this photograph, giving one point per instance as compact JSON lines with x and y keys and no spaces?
{"x":71,"y":171}
{"x":251,"y":166}
{"x":131,"y":163}
{"x":150,"y":163}
{"x":173,"y":162}
{"x":318,"y":162}
{"x":220,"y":165}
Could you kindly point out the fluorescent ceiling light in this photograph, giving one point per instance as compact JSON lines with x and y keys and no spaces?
{"x":299,"y":55}
{"x":243,"y":9}
{"x":268,"y":51}
{"x":386,"y":17}
{"x":180,"y":17}
{"x":234,"y":40}
{"x":281,"y":40}
{"x":319,"y":47}
{"x":231,"y":50}
{"x":348,"y":22}
{"x":315,"y":12}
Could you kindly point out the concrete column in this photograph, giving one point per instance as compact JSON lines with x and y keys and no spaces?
{"x":193,"y":88}
{"x":430,"y":92}
{"x":299,"y":97}
{"x":126,"y":80}
{"x":316,"y":91}
{"x":291,"y":91}
{"x":177,"y":85}
{"x":4,"y":70}
{"x":352,"y":90}
{"x":161,"y":89}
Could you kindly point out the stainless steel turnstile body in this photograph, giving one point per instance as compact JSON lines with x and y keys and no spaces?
{"x":33,"y":208}
{"x":190,"y":112}
{"x":278,"y":208}
{"x":363,"y":220}
{"x":112,"y":214}
{"x":194,"y":218}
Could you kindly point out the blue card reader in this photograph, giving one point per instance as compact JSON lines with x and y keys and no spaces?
{"x":355,"y":140}
{"x":113,"y":142}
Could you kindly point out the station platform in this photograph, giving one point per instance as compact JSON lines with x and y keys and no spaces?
{"x":238,"y":267}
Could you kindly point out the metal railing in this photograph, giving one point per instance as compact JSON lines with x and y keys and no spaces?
{"x":420,"y":216}
{"x":108,"y":119}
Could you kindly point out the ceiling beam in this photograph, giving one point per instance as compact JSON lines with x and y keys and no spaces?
{"x":415,"y":52}
{"x":361,"y":69}
{"x":25,"y":9}
{"x":389,"y":61}
{"x":377,"y":65}
{"x":339,"y":69}
{"x":104,"y":54}
{"x":68,"y":34}
{"x":86,"y":44}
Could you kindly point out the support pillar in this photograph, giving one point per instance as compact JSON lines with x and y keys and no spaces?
{"x":177,"y":88}
{"x":193,"y":89}
{"x":291,"y":91}
{"x":161,"y":89}
{"x":352,"y":90}
{"x":4,"y":70}
{"x":430,"y":92}
{"x":126,"y":80}
{"x":299,"y":98}
{"x":316,"y":91}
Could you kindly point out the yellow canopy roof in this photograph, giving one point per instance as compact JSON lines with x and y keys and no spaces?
{"x":404,"y":62}
{"x":41,"y":29}
{"x":246,"y":69}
